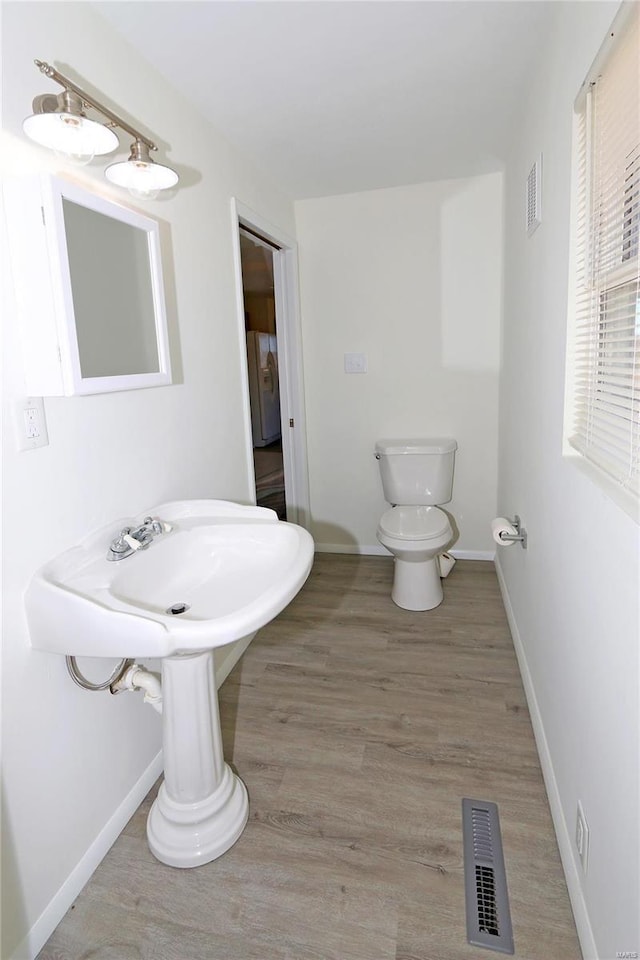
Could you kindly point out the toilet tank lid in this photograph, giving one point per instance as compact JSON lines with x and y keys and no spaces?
{"x":404,"y":445}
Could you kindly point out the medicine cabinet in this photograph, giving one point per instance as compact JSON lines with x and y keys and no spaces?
{"x":89,"y":288}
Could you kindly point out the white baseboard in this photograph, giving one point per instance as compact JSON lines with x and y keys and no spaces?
{"x":473,"y":554}
{"x":563,"y":834}
{"x":58,"y":906}
{"x":377,"y":550}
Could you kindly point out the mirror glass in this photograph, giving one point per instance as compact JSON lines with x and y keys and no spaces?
{"x":111,"y":285}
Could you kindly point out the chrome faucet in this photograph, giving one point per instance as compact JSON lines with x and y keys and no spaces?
{"x":130,"y":540}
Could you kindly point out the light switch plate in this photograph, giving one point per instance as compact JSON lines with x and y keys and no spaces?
{"x":355,"y":363}
{"x":30,"y":423}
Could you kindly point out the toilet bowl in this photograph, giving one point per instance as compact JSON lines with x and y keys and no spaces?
{"x":417,"y":476}
{"x":415,"y":535}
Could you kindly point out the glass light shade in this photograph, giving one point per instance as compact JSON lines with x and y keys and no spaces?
{"x":77,"y":159}
{"x":142,"y":178}
{"x":70,"y":135}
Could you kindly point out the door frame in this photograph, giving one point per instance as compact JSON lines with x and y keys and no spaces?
{"x":290,"y":366}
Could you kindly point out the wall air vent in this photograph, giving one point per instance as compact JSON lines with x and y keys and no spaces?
{"x":534,"y":197}
{"x":485,"y":879}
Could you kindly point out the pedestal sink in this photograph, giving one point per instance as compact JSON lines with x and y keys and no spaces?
{"x":219,"y":573}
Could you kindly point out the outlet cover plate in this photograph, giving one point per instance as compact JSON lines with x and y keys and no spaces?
{"x":30,"y":423}
{"x":582,"y":837}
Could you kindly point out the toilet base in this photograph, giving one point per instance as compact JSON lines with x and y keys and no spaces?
{"x":416,"y":586}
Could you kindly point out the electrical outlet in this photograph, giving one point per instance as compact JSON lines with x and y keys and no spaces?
{"x":30,"y":423}
{"x":582,"y":837}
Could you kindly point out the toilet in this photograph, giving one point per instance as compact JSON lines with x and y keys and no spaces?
{"x":417,"y":475}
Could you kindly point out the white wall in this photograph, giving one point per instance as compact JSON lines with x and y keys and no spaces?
{"x":411,"y":277}
{"x":72,"y":757}
{"x":573,"y":595}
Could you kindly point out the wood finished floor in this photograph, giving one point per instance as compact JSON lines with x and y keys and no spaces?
{"x":357,"y":728}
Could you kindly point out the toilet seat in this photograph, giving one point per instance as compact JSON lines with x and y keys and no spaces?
{"x":415,"y":523}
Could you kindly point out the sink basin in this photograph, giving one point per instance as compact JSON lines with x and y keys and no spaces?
{"x":227,"y":569}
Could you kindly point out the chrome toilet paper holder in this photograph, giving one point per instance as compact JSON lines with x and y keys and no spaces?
{"x":520,"y":535}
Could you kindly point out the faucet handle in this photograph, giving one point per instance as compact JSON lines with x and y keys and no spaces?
{"x":133,"y":543}
{"x":158,"y":525}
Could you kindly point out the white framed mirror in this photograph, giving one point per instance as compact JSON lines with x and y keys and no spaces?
{"x":89,"y":284}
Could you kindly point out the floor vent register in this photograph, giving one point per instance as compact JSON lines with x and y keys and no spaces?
{"x":485,"y":879}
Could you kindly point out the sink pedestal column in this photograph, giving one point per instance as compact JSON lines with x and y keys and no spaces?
{"x":202,"y":806}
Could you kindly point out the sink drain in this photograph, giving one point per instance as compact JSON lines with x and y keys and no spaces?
{"x":177,"y":608}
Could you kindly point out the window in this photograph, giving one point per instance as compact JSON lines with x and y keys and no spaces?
{"x":604,"y":389}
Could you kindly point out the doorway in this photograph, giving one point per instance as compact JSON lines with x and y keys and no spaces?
{"x":277,"y":466}
{"x":258,"y":291}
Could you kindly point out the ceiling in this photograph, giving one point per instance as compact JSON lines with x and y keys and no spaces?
{"x":334,"y":97}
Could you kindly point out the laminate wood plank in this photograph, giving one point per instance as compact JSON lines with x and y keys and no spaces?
{"x":357,"y":728}
{"x":107,"y":931}
{"x":293,"y":747}
{"x":302,"y":895}
{"x":335,"y":719}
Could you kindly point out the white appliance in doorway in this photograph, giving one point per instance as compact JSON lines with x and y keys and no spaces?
{"x":264,"y":390}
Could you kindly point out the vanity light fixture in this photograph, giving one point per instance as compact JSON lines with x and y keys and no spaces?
{"x":60,"y":122}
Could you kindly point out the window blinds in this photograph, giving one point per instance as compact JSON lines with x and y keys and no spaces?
{"x":606,"y":354}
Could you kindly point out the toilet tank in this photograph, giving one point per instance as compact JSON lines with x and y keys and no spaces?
{"x":416,"y":471}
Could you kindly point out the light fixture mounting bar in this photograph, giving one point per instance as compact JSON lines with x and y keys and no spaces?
{"x":53,"y":74}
